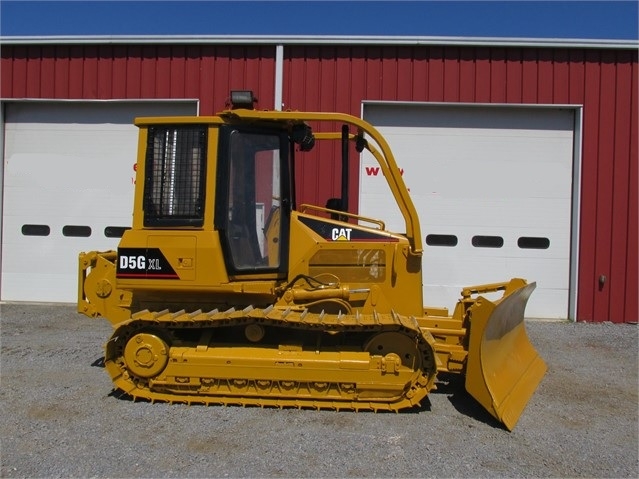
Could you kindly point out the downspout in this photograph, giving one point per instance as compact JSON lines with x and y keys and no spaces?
{"x":279,"y":86}
{"x":279,"y":77}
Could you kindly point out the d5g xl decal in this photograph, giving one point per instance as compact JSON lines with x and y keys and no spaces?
{"x":144,"y":263}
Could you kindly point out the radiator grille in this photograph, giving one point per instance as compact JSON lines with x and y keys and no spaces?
{"x":174,"y":176}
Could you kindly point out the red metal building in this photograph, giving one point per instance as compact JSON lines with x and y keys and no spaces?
{"x":338,"y":74}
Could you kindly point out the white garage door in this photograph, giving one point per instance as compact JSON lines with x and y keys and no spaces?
{"x":493,"y":189}
{"x":68,"y":187}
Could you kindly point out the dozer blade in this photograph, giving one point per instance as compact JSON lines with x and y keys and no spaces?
{"x":503,"y":369}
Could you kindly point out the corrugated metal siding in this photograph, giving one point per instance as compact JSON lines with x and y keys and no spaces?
{"x":603,"y":81}
{"x":339,"y":78}
{"x":207,"y":72}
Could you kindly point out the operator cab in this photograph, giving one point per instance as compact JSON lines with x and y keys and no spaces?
{"x":253,"y":192}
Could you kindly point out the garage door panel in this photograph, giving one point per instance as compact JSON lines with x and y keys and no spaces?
{"x":30,"y":204}
{"x":83,"y":160}
{"x":21,"y":286}
{"x":442,"y":285}
{"x":543,"y":302}
{"x":527,"y":213}
{"x":96,"y":239}
{"x":66,"y":164}
{"x":470,"y":200}
{"x":462,"y":178}
{"x":474,"y":117}
{"x":498,"y":172}
{"x":501,"y":174}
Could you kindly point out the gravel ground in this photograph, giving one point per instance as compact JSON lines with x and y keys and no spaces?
{"x":60,"y":417}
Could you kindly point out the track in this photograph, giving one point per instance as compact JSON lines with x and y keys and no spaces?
{"x":273,"y":357}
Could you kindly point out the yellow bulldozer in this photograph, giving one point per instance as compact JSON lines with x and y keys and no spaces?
{"x":226,"y":291}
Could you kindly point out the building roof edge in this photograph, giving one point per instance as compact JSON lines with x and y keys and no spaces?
{"x":320,"y":40}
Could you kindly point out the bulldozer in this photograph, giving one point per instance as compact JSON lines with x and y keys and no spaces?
{"x":226,"y":291}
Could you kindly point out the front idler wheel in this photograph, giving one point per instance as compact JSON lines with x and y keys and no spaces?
{"x":146,"y":355}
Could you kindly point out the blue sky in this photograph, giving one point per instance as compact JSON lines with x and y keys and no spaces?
{"x":611,"y":20}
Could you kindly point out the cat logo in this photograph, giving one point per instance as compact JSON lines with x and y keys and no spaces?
{"x":341,"y":234}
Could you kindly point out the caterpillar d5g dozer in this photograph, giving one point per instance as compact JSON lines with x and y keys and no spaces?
{"x":224,"y":291}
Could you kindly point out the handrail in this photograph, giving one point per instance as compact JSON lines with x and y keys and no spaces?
{"x":380,"y":223}
{"x":384,"y":157}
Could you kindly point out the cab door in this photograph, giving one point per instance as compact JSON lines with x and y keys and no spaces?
{"x":252,"y":200}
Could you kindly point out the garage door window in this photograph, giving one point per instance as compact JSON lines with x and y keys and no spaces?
{"x":174,"y":176}
{"x":36,"y":230}
{"x":441,"y":240}
{"x":76,"y":230}
{"x":487,"y":241}
{"x":528,"y":242}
